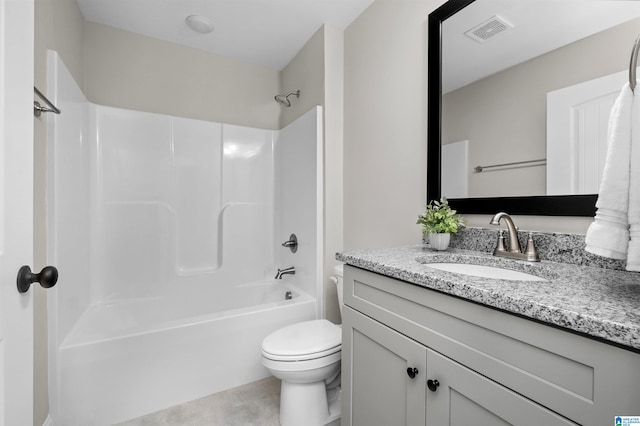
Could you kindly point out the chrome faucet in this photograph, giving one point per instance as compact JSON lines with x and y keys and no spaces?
{"x":514,"y":252}
{"x":286,"y":271}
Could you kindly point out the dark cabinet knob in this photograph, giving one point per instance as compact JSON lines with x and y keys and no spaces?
{"x":47,"y":278}
{"x":433,"y":385}
{"x":412,"y":372}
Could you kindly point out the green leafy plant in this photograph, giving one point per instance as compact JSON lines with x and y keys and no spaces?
{"x":439,"y":218}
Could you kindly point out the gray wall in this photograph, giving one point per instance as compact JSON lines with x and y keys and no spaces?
{"x":128,"y":70}
{"x":306,"y":73}
{"x":385,"y":150}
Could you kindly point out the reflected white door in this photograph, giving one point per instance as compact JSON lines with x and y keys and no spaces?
{"x":577,"y":125}
{"x":16,"y":210}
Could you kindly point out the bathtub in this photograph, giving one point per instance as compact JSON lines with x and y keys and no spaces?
{"x":124,"y":359}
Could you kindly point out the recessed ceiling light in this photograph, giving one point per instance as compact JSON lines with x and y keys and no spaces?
{"x":199,"y":24}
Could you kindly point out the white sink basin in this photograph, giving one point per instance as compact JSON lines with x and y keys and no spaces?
{"x":484,"y":271}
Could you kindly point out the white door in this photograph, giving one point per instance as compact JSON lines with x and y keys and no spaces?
{"x":577,"y":124}
{"x":16,"y":210}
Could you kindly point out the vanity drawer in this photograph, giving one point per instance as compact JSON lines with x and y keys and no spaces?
{"x":585,"y":380}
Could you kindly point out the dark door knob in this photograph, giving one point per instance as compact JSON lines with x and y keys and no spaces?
{"x":47,"y":278}
{"x":412,"y":372}
{"x":433,"y":385}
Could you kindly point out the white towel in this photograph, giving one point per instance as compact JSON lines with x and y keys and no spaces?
{"x":633,"y":254}
{"x":608,"y":235}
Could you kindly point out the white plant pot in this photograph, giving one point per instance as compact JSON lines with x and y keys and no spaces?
{"x":439,"y":241}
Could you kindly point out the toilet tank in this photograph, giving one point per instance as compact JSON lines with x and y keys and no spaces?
{"x":338,"y":279}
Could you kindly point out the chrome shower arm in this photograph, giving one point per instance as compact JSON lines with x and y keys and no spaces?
{"x":284,"y":99}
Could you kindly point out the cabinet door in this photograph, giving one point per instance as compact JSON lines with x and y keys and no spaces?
{"x":465,"y":397}
{"x":377,"y":389}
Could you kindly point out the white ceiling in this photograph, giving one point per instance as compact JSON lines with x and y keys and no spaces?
{"x":263,"y":32}
{"x":539,"y":26}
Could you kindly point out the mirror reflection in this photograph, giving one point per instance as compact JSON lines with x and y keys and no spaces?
{"x":527,"y":90}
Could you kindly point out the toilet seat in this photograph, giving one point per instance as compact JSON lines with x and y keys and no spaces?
{"x":305,"y":357}
{"x":303,"y":341}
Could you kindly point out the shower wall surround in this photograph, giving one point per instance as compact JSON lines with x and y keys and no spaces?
{"x":160,"y":225}
{"x":179,"y":198}
{"x":158,"y":201}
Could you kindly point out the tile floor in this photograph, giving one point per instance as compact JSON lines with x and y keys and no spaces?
{"x":253,"y":404}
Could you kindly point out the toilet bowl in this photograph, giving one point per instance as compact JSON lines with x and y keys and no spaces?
{"x":306,"y":358}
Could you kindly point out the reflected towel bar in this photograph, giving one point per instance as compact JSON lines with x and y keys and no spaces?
{"x":39,"y":109}
{"x":633,"y":64}
{"x":479,"y":169}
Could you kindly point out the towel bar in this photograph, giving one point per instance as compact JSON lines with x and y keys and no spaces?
{"x":479,"y":169}
{"x":39,"y":109}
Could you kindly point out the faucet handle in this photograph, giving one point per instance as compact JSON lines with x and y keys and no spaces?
{"x":531,"y":251}
{"x":500,"y":245}
{"x":292,"y":243}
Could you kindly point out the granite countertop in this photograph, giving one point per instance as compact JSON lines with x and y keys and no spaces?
{"x":598,"y":302}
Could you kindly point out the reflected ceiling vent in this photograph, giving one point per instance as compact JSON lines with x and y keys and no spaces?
{"x":488,"y":29}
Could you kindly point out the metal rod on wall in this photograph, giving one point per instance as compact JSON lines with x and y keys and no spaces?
{"x":39,"y":109}
{"x":479,"y":169}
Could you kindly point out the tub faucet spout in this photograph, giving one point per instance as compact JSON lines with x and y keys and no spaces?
{"x":286,"y":271}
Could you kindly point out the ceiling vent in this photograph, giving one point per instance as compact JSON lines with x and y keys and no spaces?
{"x":488,"y":29}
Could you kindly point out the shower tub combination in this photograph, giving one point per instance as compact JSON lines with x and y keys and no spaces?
{"x":166,"y":237}
{"x":128,"y":358}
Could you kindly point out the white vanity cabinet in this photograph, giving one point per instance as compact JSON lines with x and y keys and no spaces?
{"x":491,"y":367}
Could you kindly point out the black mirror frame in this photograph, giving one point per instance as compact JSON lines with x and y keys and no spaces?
{"x":556,"y":205}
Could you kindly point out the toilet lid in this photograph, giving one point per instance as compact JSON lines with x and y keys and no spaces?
{"x":304,"y":339}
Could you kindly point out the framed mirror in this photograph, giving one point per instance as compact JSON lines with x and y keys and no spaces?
{"x":499,"y":74}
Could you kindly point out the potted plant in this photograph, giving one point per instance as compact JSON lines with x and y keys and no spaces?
{"x":439,"y":221}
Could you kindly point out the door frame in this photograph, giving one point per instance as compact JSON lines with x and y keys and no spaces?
{"x":16,"y":209}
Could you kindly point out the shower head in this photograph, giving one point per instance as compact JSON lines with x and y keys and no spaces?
{"x":284,"y":99}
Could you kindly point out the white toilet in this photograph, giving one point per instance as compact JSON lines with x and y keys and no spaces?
{"x":306,"y":357}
